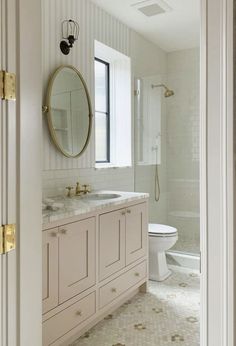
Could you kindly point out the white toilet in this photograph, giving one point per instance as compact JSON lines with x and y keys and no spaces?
{"x":161,"y":239}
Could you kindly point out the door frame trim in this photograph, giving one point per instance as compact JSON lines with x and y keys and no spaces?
{"x":29,"y":172}
{"x":215,"y":330}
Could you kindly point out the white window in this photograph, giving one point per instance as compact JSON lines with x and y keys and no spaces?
{"x":102,"y":111}
{"x":112,"y":107}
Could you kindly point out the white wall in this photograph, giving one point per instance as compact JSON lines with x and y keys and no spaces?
{"x":59,"y":171}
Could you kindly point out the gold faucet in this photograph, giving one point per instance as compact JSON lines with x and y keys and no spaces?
{"x":79,"y":191}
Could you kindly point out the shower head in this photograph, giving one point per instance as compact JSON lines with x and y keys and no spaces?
{"x":167,"y":93}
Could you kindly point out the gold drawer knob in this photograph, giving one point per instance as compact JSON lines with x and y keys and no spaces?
{"x":79,"y":313}
{"x":129,"y":211}
{"x":123,"y":212}
{"x":137,"y":274}
{"x":113,"y":290}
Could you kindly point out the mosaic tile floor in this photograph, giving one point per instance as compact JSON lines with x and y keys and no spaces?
{"x":167,"y":315}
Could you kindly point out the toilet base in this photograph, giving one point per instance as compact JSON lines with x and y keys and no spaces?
{"x":158,"y":270}
{"x":160,"y":278}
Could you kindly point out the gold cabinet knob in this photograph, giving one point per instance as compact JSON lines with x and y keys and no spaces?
{"x":137,"y":274}
{"x":128,"y":211}
{"x":79,"y":313}
{"x":113,"y":290}
{"x":63,"y":231}
{"x":123,"y":212}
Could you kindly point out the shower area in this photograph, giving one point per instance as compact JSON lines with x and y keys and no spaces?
{"x":167,"y":150}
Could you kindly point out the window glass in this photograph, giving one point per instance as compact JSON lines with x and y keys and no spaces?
{"x":102,"y":116}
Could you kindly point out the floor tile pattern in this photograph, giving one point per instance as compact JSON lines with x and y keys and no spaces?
{"x":167,"y":315}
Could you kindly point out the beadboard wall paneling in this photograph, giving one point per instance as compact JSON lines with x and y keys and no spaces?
{"x":94,"y":23}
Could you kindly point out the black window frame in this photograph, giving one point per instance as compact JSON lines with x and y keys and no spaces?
{"x":107,"y":113}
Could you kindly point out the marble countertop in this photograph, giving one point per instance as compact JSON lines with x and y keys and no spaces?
{"x":79,"y":205}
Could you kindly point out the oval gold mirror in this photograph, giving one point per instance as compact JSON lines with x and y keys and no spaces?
{"x":69,"y":111}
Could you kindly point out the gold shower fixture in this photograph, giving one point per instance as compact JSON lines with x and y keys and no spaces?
{"x":168,"y":92}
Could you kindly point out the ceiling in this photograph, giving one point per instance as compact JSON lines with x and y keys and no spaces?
{"x":177,"y":28}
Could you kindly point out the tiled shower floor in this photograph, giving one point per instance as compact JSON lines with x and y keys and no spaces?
{"x":167,"y":315}
{"x":187,"y":246}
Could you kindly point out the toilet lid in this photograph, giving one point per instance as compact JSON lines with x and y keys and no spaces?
{"x":155,"y":228}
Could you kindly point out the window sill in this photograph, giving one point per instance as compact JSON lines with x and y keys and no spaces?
{"x":99,"y":166}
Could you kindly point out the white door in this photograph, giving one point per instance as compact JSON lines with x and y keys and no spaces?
{"x":20,"y":175}
{"x":8,"y":176}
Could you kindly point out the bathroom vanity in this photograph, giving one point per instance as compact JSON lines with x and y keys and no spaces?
{"x":94,"y":259}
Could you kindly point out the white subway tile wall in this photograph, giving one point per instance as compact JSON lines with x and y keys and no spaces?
{"x":183,"y":122}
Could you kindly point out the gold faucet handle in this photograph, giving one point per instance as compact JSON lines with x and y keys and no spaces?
{"x":69,"y":188}
{"x":87,"y":188}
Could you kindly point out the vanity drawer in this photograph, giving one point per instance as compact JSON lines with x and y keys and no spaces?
{"x":66,"y":320}
{"x":116,"y":287}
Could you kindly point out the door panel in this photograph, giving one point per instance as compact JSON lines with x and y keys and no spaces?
{"x":76,"y":258}
{"x":8,"y":292}
{"x":50,"y":269}
{"x":111,"y":243}
{"x":136,"y":232}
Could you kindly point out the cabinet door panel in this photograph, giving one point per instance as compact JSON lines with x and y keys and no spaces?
{"x":50,"y":269}
{"x":76,"y":258}
{"x":111,"y":243}
{"x":136,"y":232}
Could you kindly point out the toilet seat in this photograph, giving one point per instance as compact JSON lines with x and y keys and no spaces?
{"x":159,"y":230}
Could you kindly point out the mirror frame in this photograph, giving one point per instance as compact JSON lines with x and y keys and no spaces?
{"x":47,"y":110}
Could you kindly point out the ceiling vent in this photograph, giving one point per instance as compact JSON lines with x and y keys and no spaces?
{"x":152,"y":8}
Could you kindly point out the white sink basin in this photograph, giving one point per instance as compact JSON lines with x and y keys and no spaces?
{"x":101,"y":196}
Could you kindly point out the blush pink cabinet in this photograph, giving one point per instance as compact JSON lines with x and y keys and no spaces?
{"x":76,"y":258}
{"x":50,"y":269}
{"x":68,"y":261}
{"x":136,"y":232}
{"x":122,"y":238}
{"x":90,"y":266}
{"x":111,"y":243}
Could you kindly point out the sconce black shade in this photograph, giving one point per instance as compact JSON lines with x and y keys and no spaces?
{"x":70,"y":33}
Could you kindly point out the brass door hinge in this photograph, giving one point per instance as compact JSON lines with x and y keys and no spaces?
{"x":7,"y":86}
{"x":7,"y":238}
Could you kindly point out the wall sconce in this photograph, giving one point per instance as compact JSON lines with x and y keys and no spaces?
{"x":70,"y":32}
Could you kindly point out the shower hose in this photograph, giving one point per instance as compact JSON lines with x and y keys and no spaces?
{"x":157,"y":180}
